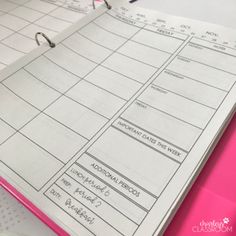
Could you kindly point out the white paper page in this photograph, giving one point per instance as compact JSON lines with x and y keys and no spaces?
{"x":21,"y":19}
{"x":49,"y":17}
{"x":105,"y":131}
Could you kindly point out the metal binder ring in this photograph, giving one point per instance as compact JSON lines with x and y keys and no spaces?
{"x":105,"y":1}
{"x":51,"y":44}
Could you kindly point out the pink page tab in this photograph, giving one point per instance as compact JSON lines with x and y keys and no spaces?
{"x":32,"y":208}
{"x":210,"y":207}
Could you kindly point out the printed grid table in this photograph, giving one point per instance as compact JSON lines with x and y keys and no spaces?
{"x":21,"y":19}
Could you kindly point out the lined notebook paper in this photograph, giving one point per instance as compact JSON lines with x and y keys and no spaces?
{"x":107,"y":131}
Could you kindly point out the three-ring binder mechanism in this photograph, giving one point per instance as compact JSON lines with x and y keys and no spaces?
{"x":52,"y":44}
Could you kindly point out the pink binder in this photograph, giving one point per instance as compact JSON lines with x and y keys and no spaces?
{"x":31,"y":207}
{"x":210,"y":206}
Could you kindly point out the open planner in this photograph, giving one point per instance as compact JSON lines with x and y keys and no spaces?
{"x":107,"y":131}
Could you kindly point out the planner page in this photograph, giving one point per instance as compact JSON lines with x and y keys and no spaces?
{"x":21,"y":19}
{"x":106,"y":132}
